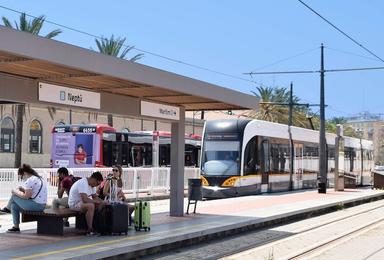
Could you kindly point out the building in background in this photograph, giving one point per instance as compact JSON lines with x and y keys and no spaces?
{"x":370,"y":126}
{"x":38,"y":123}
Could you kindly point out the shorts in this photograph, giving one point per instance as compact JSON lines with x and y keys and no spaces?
{"x":77,"y":206}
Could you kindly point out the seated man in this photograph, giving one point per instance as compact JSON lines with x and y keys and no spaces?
{"x":66,"y":182}
{"x":83,"y":197}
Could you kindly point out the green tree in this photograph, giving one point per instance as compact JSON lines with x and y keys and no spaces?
{"x":269,"y":110}
{"x":115,"y":47}
{"x":32,"y":26}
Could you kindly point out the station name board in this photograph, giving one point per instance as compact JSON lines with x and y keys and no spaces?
{"x":68,"y":96}
{"x":159,"y":110}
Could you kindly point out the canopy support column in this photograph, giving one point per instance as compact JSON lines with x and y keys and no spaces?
{"x":177,"y":166}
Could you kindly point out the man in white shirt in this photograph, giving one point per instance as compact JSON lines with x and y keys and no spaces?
{"x":83,"y":197}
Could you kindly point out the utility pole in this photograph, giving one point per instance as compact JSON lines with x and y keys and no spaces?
{"x":290,"y":105}
{"x":291,"y":147}
{"x":322,"y":151}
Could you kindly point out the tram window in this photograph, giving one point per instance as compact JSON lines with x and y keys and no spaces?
{"x":310,"y":158}
{"x":164,"y":154}
{"x":116,"y":153}
{"x":190,"y":155}
{"x":107,"y":151}
{"x":331,"y":152}
{"x":279,"y":158}
{"x":265,"y":152}
{"x":251,"y":164}
{"x":124,"y":154}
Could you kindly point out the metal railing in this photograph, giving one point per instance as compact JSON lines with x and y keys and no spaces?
{"x":135,"y":180}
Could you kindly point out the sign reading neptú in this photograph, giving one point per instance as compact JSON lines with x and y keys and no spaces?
{"x":159,"y":110}
{"x":68,"y":96}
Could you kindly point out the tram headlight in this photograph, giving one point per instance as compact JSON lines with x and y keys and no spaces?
{"x":204,"y":181}
{"x":230,"y":182}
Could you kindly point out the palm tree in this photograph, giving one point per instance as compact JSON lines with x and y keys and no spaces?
{"x":270,"y":110}
{"x":115,"y":47}
{"x":32,"y":26}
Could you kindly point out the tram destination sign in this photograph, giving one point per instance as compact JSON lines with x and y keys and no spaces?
{"x":159,"y":110}
{"x":68,"y":96}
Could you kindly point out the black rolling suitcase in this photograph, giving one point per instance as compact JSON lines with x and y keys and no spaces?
{"x":112,"y":219}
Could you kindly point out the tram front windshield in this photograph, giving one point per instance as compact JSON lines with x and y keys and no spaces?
{"x":221,"y":158}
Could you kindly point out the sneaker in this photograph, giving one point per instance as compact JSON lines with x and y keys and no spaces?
{"x":5,"y":210}
{"x":13,"y":230}
{"x":66,"y":223}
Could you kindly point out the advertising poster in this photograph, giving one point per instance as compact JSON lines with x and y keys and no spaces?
{"x":72,"y":151}
{"x":83,"y":150}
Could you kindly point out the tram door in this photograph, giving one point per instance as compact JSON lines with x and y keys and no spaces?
{"x":298,"y":166}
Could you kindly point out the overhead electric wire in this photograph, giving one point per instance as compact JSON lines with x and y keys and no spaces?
{"x":341,"y":31}
{"x":138,"y":49}
{"x":285,"y":59}
{"x":314,"y":71}
{"x":351,"y":53}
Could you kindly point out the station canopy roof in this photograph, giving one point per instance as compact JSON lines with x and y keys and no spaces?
{"x":51,"y":61}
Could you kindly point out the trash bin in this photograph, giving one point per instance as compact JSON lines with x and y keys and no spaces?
{"x":195,"y":189}
{"x":322,"y":188}
{"x":195,"y":192}
{"x":378,"y":180}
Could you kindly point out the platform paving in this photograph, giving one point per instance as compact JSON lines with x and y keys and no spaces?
{"x":214,"y":218}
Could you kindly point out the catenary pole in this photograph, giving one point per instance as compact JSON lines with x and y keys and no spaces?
{"x":291,"y":147}
{"x":322,"y":141}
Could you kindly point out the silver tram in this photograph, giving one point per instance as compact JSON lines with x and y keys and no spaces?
{"x":243,"y":157}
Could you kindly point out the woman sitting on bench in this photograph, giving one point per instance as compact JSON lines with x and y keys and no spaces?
{"x":113,"y":189}
{"x":31,"y":197}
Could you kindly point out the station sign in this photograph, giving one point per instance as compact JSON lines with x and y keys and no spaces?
{"x":159,"y":110}
{"x":68,"y":96}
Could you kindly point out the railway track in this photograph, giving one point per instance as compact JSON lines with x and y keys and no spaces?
{"x":269,"y":243}
{"x":330,"y":234}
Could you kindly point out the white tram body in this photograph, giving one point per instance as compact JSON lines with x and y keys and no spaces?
{"x":242,"y":157}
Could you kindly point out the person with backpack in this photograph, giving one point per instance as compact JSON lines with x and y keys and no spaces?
{"x":31,"y":197}
{"x":65,"y":183}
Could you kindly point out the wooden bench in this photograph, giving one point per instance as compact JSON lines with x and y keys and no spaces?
{"x":50,"y":221}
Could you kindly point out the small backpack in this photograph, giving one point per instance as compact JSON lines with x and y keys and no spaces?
{"x":75,"y":179}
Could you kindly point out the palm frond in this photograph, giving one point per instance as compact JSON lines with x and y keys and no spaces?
{"x":32,"y":26}
{"x":114,"y":47}
{"x":137,"y":57}
{"x":36,"y":25}
{"x":23,"y":24}
{"x":53,"y":34}
{"x":6,"y":22}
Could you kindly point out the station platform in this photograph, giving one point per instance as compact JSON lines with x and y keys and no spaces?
{"x":214,"y":218}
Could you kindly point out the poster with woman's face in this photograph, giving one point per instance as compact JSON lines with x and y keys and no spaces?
{"x":83,"y":149}
{"x":74,"y":149}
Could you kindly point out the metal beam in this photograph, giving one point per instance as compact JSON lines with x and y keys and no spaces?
{"x":14,"y":60}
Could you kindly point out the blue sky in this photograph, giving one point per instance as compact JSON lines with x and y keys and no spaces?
{"x":235,"y":37}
